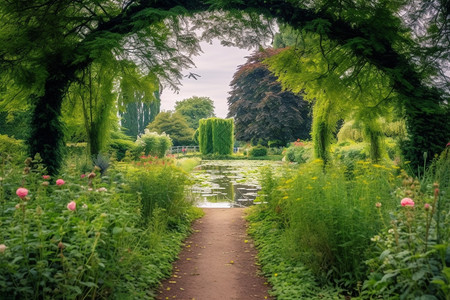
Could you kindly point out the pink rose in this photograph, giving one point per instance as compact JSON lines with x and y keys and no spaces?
{"x":46,"y":177}
{"x":72,"y":205}
{"x":407,"y":202}
{"x":22,"y":192}
{"x":60,"y":182}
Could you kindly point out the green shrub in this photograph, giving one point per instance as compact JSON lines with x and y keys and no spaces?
{"x":158,"y":185}
{"x":152,"y":143}
{"x":12,"y":147}
{"x":258,"y":151}
{"x":299,"y":153}
{"x":121,"y":143}
{"x":216,"y":136}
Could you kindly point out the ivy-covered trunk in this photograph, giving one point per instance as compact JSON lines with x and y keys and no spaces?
{"x":46,"y":137}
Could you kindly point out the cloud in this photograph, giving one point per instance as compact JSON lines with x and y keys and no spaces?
{"x":216,"y":66}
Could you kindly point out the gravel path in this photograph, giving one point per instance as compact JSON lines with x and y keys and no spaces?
{"x":217,"y":262}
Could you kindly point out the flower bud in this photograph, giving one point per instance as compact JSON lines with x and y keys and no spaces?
{"x":91,"y":175}
{"x":45,"y":183}
{"x":435,"y":185}
{"x":427,"y":206}
{"x":378,"y":205}
{"x":3,"y":248}
{"x":436,"y":192}
{"x":61,"y":245}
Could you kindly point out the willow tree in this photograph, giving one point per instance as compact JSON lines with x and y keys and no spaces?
{"x":47,"y":44}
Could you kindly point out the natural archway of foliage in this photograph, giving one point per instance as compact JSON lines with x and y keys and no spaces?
{"x":46,"y":46}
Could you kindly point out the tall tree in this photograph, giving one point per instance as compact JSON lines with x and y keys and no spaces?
{"x":194,"y":109}
{"x":175,"y":125}
{"x":261,"y":109}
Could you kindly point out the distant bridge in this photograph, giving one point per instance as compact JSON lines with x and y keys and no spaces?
{"x":184,"y":149}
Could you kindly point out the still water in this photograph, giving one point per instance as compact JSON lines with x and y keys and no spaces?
{"x":228,"y":183}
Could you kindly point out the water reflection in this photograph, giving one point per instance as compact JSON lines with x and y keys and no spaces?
{"x":228,"y":183}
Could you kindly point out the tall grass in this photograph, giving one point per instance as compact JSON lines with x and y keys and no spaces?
{"x":328,"y":220}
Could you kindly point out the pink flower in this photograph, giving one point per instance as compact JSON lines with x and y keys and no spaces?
{"x":378,"y":204}
{"x":59,"y":182}
{"x":82,"y":176}
{"x":22,"y":192}
{"x":407,"y":202}
{"x":72,"y":205}
{"x":427,"y":206}
{"x":46,"y":177}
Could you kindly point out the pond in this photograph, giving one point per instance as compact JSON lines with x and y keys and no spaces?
{"x":228,"y":183}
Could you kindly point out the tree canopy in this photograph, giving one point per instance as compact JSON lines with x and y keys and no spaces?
{"x":194,"y":109}
{"x":261,"y":109}
{"x":174,"y":125}
{"x":47,"y":45}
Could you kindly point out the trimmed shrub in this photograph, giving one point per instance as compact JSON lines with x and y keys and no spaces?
{"x":216,"y":136}
{"x":258,"y":151}
{"x":222,"y":134}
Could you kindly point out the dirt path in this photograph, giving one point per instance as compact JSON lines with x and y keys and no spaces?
{"x":217,"y":262}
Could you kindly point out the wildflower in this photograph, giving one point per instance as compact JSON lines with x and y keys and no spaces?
{"x":375,"y":238}
{"x":59,"y":182}
{"x":46,"y":177}
{"x":22,"y":192}
{"x":84,"y":206}
{"x":3,"y":248}
{"x":72,"y":205}
{"x":436,"y":192}
{"x":45,"y":183}
{"x":17,"y":206}
{"x":91,"y":175}
{"x":102,"y":189}
{"x":407,"y":202}
{"x":82,"y":176}
{"x":61,"y":245}
{"x":378,"y":204}
{"x":427,"y":206}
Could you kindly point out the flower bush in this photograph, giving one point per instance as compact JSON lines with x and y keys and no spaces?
{"x":85,"y":238}
{"x":413,"y":260}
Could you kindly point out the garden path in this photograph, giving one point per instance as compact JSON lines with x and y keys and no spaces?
{"x":217,"y":262}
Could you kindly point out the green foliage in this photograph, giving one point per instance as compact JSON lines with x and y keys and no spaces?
{"x":205,"y":137}
{"x":262,"y":110}
{"x":258,"y":151}
{"x":413,"y":250}
{"x":222,"y":136}
{"x":15,"y":124}
{"x":174,"y":125}
{"x":120,"y":144}
{"x":299,"y":152}
{"x":152,"y":143}
{"x":12,"y":148}
{"x":194,"y":109}
{"x":100,"y":249}
{"x":159,"y":185}
{"x":326,"y":221}
{"x":216,"y":136}
{"x":290,"y":279}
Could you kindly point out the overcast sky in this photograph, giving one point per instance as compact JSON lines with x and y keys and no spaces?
{"x":216,"y":66}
